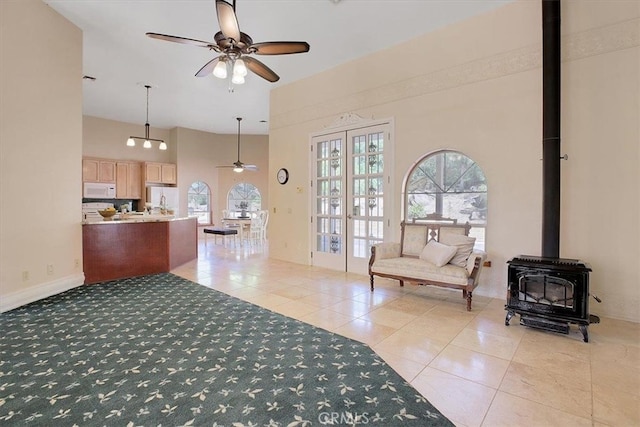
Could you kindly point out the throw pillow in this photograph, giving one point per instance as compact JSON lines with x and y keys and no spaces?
{"x":463,"y":245}
{"x":437,"y":253}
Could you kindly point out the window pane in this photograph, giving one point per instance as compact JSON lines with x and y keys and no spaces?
{"x":244,"y":196}
{"x":198,"y":202}
{"x":452,"y":185}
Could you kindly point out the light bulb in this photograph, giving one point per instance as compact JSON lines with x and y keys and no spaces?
{"x":237,"y":80}
{"x":162,"y":146}
{"x":131,"y":142}
{"x":147,"y":144}
{"x":238,"y":169}
{"x":220,"y":70}
{"x":239,"y":68}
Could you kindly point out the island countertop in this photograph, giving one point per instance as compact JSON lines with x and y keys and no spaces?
{"x":134,"y":218}
{"x":133,"y":247}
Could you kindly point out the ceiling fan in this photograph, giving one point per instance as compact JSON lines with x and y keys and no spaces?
{"x":238,"y":166}
{"x":235,"y":48}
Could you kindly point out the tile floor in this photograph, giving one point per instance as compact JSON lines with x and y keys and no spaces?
{"x":472,"y":367}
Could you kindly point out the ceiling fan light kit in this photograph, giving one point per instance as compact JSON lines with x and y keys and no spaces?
{"x":235,"y":47}
{"x":131,"y":142}
{"x":220,"y":70}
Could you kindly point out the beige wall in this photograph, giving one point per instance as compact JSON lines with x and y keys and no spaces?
{"x":108,"y":138}
{"x":476,"y":87}
{"x":40,"y":150}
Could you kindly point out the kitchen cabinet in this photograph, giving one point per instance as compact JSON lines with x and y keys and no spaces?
{"x":160,"y":173}
{"x":128,"y":180}
{"x":98,"y":170}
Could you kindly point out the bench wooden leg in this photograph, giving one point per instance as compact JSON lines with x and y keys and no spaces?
{"x":468,"y":300}
{"x":371,"y":281}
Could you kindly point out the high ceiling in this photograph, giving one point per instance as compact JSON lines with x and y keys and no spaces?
{"x":123,"y":59}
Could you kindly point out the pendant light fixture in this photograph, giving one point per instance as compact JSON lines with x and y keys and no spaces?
{"x":131,"y":142}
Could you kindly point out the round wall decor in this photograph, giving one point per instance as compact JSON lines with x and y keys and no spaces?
{"x":283,"y":176}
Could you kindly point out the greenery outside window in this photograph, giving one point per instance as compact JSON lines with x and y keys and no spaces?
{"x":449,"y":184}
{"x":244,"y":197}
{"x":199,"y":202}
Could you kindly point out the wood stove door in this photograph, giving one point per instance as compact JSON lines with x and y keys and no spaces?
{"x":548,"y":292}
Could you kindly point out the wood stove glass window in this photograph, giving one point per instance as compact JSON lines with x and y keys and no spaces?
{"x":451,"y":185}
{"x":546,"y":289}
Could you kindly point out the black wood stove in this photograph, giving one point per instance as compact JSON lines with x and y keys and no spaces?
{"x":549,"y":293}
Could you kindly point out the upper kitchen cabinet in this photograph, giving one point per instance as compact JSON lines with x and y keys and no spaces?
{"x":98,"y":170}
{"x":160,"y":173}
{"x":128,"y":180}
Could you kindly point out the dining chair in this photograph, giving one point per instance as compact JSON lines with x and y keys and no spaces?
{"x":265,"y":221}
{"x":255,"y":230}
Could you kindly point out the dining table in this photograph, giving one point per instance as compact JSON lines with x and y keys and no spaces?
{"x":241,"y":223}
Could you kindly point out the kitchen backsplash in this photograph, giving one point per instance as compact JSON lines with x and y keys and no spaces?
{"x":117,"y":203}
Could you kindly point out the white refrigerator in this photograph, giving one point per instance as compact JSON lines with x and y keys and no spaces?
{"x":154,"y":196}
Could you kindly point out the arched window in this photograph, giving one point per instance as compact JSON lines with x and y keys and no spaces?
{"x":199,"y":202}
{"x":449,"y":184}
{"x":244,"y":197}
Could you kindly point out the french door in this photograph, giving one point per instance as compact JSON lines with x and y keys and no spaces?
{"x":350,"y":184}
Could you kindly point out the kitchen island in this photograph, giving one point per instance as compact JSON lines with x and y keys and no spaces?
{"x":135,"y":247}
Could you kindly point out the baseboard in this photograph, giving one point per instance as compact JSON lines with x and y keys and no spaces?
{"x":37,"y":292}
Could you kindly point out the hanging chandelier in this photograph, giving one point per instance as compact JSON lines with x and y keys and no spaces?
{"x":131,"y":142}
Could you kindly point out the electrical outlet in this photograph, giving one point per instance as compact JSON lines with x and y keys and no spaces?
{"x":25,"y":276}
{"x":49,"y":269}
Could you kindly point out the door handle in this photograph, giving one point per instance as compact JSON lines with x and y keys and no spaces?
{"x":349,"y":216}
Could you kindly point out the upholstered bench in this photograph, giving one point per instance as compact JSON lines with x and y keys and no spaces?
{"x":430,"y":253}
{"x":219,"y":231}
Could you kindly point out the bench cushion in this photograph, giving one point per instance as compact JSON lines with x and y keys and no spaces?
{"x":220,"y":231}
{"x":418,"y":269}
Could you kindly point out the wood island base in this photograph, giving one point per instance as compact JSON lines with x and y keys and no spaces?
{"x":121,"y":249}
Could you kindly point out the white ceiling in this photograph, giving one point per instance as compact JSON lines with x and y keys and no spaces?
{"x":123,"y":59}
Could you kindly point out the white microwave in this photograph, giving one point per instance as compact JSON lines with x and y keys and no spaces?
{"x":99,"y":190}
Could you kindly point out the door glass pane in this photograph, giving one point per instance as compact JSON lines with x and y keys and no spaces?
{"x":367,"y":192}
{"x":329,"y":196}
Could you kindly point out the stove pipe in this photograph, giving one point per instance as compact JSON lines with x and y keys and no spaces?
{"x":551,"y":128}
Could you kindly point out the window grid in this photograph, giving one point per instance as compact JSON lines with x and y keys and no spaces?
{"x":449,"y":184}
{"x":199,"y":202}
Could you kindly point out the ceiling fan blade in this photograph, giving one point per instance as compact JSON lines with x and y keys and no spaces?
{"x":280,"y":48}
{"x":182,"y":40}
{"x":260,"y":69}
{"x":208,"y":67}
{"x":227,"y":20}
{"x":252,"y":168}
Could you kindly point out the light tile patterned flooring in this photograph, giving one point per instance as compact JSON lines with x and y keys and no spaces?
{"x":472,"y":367}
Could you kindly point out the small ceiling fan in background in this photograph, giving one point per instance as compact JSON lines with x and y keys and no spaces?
{"x":235,"y":48}
{"x":238,"y":166}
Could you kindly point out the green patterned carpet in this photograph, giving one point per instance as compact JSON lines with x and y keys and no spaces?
{"x":161,"y":350}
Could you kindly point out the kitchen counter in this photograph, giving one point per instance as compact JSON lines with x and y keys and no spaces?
{"x":135,"y":247}
{"x":134,"y":218}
